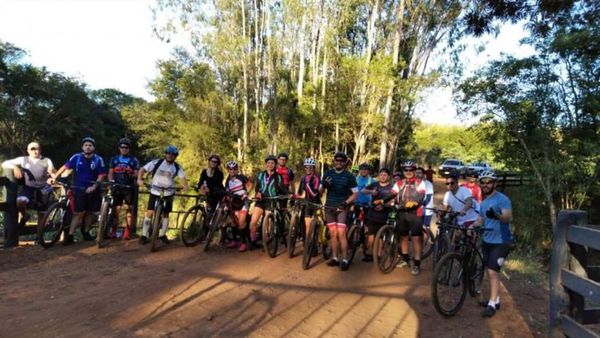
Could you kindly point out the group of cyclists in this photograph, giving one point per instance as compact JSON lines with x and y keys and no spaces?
{"x":477,"y":201}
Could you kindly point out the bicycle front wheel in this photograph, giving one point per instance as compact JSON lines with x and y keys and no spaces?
{"x":293,"y":233}
{"x":310,"y":244}
{"x":354,"y":241}
{"x":385,"y":249}
{"x":212,"y":227}
{"x":193,"y":226}
{"x":269,"y":234}
{"x":428,"y":240}
{"x":449,"y":285}
{"x":103,"y":223}
{"x":156,"y":220}
{"x":55,"y":221}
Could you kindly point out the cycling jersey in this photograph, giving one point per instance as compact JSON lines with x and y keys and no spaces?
{"x":287,"y":175}
{"x":341,"y":186}
{"x":236,"y":185}
{"x":164,"y":177}
{"x":124,"y":167}
{"x":410,"y":190}
{"x":501,"y":232}
{"x":86,"y":170}
{"x":309,"y":185}
{"x":361,"y":183}
{"x":269,"y":185}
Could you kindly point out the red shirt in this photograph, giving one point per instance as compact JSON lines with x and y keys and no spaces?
{"x":475,"y":190}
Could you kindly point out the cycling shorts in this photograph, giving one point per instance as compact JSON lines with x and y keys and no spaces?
{"x":87,"y":202}
{"x":123,"y":195}
{"x":374,"y":226}
{"x":494,"y":255}
{"x":168,"y":205}
{"x":409,"y":222}
{"x":336,"y":219}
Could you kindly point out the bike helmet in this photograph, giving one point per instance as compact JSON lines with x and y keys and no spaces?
{"x":310,"y":162}
{"x":215,"y":157}
{"x":171,"y":150}
{"x":283,"y":154}
{"x":472,"y":173}
{"x":364,"y":166}
{"x":270,"y":158}
{"x":231,"y":164}
{"x":341,"y":155}
{"x":88,"y":139}
{"x":409,"y":164}
{"x":125,"y":141}
{"x":487,"y":174}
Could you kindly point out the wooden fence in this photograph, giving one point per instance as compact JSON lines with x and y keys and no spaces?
{"x":8,"y":208}
{"x":574,"y":280}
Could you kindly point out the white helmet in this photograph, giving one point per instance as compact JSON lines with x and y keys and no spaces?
{"x":309,"y":161}
{"x":487,"y":174}
{"x":231,"y":164}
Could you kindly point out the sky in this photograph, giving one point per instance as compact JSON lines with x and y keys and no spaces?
{"x":110,"y":44}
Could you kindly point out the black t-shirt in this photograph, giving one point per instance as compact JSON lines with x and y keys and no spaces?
{"x":379,"y":213}
{"x":214,"y":183}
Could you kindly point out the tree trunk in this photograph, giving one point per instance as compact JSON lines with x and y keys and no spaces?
{"x":245,"y":83}
{"x":300,"y":85}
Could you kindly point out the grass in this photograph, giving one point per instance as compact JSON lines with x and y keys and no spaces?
{"x":527,"y":267}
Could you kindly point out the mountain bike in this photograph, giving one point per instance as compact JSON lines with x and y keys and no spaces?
{"x":317,"y":237}
{"x":223,"y":218}
{"x":106,"y":217}
{"x":273,"y":225}
{"x":58,"y":217}
{"x":159,"y":213}
{"x":194,"y":226}
{"x":458,"y":271}
{"x":297,"y":229}
{"x":357,"y":235}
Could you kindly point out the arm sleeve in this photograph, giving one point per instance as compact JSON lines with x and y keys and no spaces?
{"x":300,"y":186}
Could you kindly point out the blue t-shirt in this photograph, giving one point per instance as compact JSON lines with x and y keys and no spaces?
{"x":361,"y":183}
{"x":86,"y":170}
{"x":501,"y":232}
{"x":342,"y":185}
{"x":124,"y":168}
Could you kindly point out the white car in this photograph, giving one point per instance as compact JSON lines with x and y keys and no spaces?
{"x":452,"y":166}
{"x":479,"y":167}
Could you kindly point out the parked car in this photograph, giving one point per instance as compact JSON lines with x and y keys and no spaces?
{"x":452,"y":166}
{"x":478,"y":167}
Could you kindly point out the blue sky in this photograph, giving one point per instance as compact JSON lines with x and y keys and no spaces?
{"x":109,"y":44}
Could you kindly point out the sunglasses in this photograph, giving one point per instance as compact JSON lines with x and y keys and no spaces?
{"x":339,"y":160}
{"x":232,"y":168}
{"x":487,"y":182}
{"x":217,"y":162}
{"x":124,"y":147}
{"x":450,"y":183}
{"x":409,"y":170}
{"x":171,"y":154}
{"x":34,"y":149}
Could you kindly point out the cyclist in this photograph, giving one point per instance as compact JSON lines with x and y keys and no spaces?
{"x":35,"y":170}
{"x":88,"y":168}
{"x":473,"y":186}
{"x":378,"y":214}
{"x":341,"y":192}
{"x":429,"y":173}
{"x":163,"y":171}
{"x":397,"y":176}
{"x":287,"y":174}
{"x":363,"y":179}
{"x":238,"y":185}
{"x":268,"y":184}
{"x":211,"y":181}
{"x":410,"y":194}
{"x":309,"y":186}
{"x":459,"y":199}
{"x":496,"y":215}
{"x":428,"y":202}
{"x":123,"y":170}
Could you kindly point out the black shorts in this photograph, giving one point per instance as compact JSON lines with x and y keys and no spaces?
{"x":339,"y":218}
{"x":374,"y":226}
{"x":494,"y":255}
{"x":409,"y":222}
{"x":87,"y":202}
{"x":123,"y":195}
{"x":35,"y":198}
{"x":309,"y":210}
{"x":168,"y":205}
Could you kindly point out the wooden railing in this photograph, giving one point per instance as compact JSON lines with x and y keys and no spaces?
{"x":8,"y":208}
{"x":574,"y":282}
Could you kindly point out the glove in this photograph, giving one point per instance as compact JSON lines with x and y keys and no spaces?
{"x":411,"y":204}
{"x":327,"y":182}
{"x":490,"y":213}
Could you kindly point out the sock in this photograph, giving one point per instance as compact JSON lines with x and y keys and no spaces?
{"x":345,"y":260}
{"x":335,"y":259}
{"x":236,"y":234}
{"x":406,"y":258}
{"x":492,"y":303}
{"x":146,"y":226}
{"x":497,"y":300}
{"x":165,"y":225}
{"x":417,"y":262}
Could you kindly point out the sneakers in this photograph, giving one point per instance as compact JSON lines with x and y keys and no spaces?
{"x":231,"y":245}
{"x":367,"y":258}
{"x":243,"y":247}
{"x":143,"y":240}
{"x":489,"y":311}
{"x":344,"y":265}
{"x":484,"y":303}
{"x":24,"y":220}
{"x":68,"y":240}
{"x":87,"y":236}
{"x":333,"y":262}
{"x":402,"y":264}
{"x":415,"y":270}
{"x":164,"y":239}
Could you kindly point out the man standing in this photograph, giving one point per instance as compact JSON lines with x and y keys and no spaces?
{"x":341,"y":192}
{"x":123,"y":170}
{"x":36,"y":170}
{"x":89,"y":170}
{"x":496,"y":216}
{"x":428,"y":201}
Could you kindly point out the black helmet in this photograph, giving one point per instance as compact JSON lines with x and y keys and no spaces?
{"x":283,"y":154}
{"x":88,"y":139}
{"x":125,"y":141}
{"x":341,"y":155}
{"x":270,"y":158}
{"x":364,"y":166}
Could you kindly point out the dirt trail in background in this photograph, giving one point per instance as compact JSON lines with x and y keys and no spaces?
{"x":125,"y":291}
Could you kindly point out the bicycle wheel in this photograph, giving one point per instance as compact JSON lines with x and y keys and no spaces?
{"x":293,"y":233}
{"x":212,"y":227}
{"x":385,"y":249}
{"x":103,"y":223}
{"x":156,"y":220}
{"x":476,"y":272}
{"x":326,"y":250}
{"x":428,"y":243}
{"x":269,"y":234}
{"x":440,"y":247}
{"x":193,"y":225}
{"x":354,"y":241}
{"x":310,"y":244}
{"x":53,"y":224}
{"x":449,"y":285}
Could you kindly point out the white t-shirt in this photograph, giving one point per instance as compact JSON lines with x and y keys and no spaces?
{"x":457,"y":203}
{"x":164,"y":177}
{"x":429,"y":191}
{"x":38,"y":167}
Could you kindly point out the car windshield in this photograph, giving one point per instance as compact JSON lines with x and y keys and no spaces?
{"x":478,"y":164}
{"x":451,"y":162}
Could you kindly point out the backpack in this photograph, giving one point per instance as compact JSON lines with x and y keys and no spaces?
{"x":155,"y":169}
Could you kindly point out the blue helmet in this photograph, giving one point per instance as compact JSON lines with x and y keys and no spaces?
{"x":88,"y":139}
{"x":171,"y":150}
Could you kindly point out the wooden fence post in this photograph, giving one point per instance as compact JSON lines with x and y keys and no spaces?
{"x":559,"y":299}
{"x":11,"y":226}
